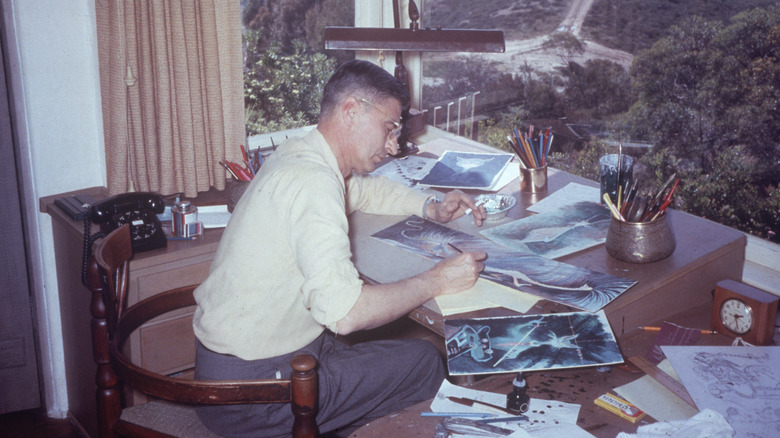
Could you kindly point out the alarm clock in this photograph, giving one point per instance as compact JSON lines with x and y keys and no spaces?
{"x":743,"y":311}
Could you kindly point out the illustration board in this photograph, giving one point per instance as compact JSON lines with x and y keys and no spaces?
{"x":554,"y":234}
{"x":466,"y":170}
{"x":529,"y":342}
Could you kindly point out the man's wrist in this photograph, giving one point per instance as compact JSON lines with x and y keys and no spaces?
{"x":430,"y":202}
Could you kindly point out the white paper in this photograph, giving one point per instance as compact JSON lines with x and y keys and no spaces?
{"x":541,"y":413}
{"x":656,"y":400}
{"x":408,"y":170}
{"x":213,"y":216}
{"x":740,"y":383}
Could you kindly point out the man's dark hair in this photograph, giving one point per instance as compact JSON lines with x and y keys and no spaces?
{"x":362,"y":79}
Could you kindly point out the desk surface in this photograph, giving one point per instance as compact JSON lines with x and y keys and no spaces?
{"x":706,"y":253}
{"x":579,"y":386}
{"x":680,"y":285}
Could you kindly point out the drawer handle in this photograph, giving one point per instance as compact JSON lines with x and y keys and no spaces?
{"x":429,"y":320}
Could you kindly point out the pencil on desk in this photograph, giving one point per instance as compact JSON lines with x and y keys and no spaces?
{"x":458,"y":414}
{"x":658,"y":329}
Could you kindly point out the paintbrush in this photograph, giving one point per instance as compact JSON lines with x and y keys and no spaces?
{"x":470,"y":402}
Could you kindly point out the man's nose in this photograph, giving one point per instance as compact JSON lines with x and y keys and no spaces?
{"x":392,"y":145}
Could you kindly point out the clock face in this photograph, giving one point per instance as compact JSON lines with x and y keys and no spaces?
{"x":736,"y":316}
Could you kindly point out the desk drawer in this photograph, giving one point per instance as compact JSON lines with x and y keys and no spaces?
{"x":150,"y":283}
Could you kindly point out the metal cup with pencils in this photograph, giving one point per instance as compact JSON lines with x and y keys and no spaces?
{"x":532,"y":151}
{"x":640,"y":231}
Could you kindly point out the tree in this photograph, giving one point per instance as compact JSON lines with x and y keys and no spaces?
{"x":597,"y":90}
{"x":565,"y":44}
{"x":708,"y":93}
{"x":284,"y":91}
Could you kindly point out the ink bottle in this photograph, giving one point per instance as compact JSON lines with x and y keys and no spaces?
{"x":517,"y":400}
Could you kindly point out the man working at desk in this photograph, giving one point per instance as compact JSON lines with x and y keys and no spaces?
{"x":282,"y":273}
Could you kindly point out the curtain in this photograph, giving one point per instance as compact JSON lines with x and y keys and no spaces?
{"x":172,"y":93}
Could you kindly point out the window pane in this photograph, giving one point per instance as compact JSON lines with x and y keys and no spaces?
{"x":684,"y":86}
{"x":285,"y":65}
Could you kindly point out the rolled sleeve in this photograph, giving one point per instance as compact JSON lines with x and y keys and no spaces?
{"x":379,"y":195}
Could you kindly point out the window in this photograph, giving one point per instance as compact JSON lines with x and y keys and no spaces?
{"x":598,"y":73}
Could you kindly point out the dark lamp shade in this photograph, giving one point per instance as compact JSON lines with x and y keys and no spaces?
{"x":414,"y":40}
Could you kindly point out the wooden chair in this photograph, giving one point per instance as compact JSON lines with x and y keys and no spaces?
{"x":170,"y":413}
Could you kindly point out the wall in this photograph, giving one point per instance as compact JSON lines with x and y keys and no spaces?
{"x":55,"y":90}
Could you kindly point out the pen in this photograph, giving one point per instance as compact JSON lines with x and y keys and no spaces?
{"x":657,"y":329}
{"x":480,"y":202}
{"x":504,"y":419}
{"x":471,"y":402}
{"x":454,"y":247}
{"x":458,"y":414}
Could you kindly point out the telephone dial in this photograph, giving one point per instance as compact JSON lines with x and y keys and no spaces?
{"x":139,"y":209}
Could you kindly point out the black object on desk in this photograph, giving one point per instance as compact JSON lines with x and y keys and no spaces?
{"x":76,"y":206}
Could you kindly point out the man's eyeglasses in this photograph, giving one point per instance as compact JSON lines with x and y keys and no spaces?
{"x":395,"y":132}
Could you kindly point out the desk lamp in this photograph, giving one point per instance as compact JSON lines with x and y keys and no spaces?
{"x":412,"y":39}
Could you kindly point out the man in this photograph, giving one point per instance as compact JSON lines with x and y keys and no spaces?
{"x":282,"y":273}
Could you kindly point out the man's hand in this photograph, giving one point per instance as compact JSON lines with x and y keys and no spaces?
{"x":453,"y":206}
{"x":458,"y":273}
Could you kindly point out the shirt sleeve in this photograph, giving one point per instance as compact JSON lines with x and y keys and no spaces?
{"x":379,"y":195}
{"x":319,"y":235}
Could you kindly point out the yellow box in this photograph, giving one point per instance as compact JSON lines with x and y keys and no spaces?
{"x":620,"y":407}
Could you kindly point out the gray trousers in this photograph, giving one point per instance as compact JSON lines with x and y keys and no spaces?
{"x":356,"y":385}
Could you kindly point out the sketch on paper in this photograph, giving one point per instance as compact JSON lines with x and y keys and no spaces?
{"x":529,"y":342}
{"x":741,"y":383}
{"x":408,"y":170}
{"x":555,"y":281}
{"x":554,"y":234}
{"x":466,"y":170}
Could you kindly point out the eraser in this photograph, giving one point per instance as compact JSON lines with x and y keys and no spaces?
{"x":620,"y":407}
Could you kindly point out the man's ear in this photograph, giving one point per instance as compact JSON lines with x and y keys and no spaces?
{"x":349,"y":110}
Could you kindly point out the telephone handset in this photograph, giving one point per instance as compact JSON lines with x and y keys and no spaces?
{"x":140,"y":210}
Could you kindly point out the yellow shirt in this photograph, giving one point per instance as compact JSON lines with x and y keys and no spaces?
{"x":283,"y":272}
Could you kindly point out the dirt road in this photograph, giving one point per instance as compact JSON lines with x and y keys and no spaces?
{"x":529,"y":51}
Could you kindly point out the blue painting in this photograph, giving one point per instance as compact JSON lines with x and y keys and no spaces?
{"x":549,"y":279}
{"x":466,"y":170}
{"x":557,"y":233}
{"x":529,"y":342}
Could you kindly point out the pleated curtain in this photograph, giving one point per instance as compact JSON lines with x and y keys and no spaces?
{"x":172,"y":93}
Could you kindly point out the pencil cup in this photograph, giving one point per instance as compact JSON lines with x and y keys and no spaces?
{"x":533,"y":180}
{"x":640,"y":242}
{"x":614,"y":174}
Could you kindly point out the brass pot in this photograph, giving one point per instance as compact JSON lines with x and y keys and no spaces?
{"x":640,"y":242}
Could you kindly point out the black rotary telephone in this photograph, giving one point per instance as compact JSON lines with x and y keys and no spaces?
{"x":139,"y":209}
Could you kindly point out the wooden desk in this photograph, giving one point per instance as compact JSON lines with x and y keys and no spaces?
{"x":706,"y":253}
{"x":678,"y":289}
{"x":579,"y":386}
